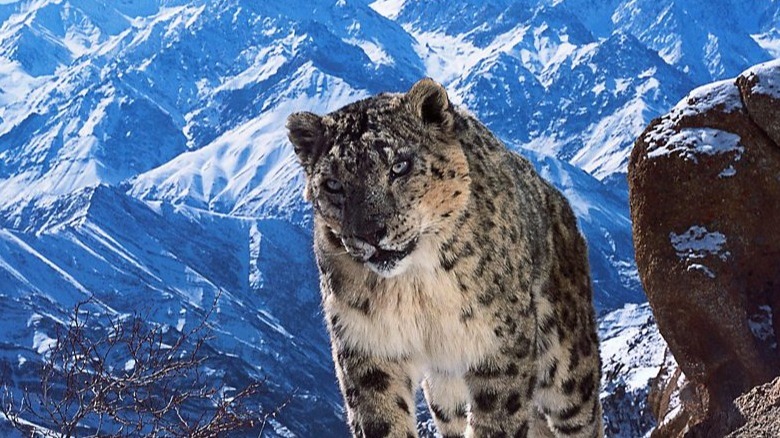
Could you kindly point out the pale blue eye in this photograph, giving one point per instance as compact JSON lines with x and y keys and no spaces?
{"x":401,"y":168}
{"x":333,"y":186}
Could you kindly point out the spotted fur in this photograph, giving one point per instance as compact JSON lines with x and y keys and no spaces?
{"x":446,"y":260}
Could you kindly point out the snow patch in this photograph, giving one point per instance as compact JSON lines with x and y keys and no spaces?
{"x":728,"y":172}
{"x":388,"y":8}
{"x":280,"y":429}
{"x":633,"y":355}
{"x":761,"y":325}
{"x":721,"y":95}
{"x":689,"y":143}
{"x":604,"y":153}
{"x":769,"y":41}
{"x":256,"y":279}
{"x":703,"y":269}
{"x":265,"y":62}
{"x":251,"y":164}
{"x":675,"y":402}
{"x":621,"y":85}
{"x":448,"y":58}
{"x":182,"y":320}
{"x":767,"y":78}
{"x":712,"y":56}
{"x":374,"y":51}
{"x":42,"y":343}
{"x":697,"y":243}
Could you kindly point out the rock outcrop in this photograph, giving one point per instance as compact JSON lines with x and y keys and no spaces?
{"x":675,"y":401}
{"x":705,"y":201}
{"x":760,"y":408}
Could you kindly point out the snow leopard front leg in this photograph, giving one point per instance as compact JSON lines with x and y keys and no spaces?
{"x":501,"y":390}
{"x":378,"y":394}
{"x":448,"y":399}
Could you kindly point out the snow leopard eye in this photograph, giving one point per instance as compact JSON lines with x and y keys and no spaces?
{"x":401,"y":167}
{"x":333,"y":186}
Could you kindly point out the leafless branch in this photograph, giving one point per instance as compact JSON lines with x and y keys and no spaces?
{"x":123,"y":376}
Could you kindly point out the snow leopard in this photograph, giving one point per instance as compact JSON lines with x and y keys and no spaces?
{"x":446,"y":262}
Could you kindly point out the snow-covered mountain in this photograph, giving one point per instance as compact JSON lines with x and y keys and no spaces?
{"x":143,"y":158}
{"x":632,"y":354}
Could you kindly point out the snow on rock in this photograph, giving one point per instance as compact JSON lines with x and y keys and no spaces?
{"x":720,"y":95}
{"x":689,"y":143}
{"x":728,"y":172}
{"x":674,"y":404}
{"x":760,"y":88}
{"x":697,"y":243}
{"x":664,"y":139}
{"x":761,"y":325}
{"x":767,"y":78}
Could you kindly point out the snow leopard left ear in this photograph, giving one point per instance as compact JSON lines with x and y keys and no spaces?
{"x":306,"y":132}
{"x":428,"y":100}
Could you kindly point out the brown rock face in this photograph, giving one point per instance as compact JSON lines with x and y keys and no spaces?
{"x":705,"y":200}
{"x":760,"y":409}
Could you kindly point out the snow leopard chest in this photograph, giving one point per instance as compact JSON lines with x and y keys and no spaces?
{"x":419,"y":317}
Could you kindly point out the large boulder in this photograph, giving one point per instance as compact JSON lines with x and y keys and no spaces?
{"x":705,"y":200}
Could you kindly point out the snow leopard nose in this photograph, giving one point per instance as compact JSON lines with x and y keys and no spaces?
{"x":372,"y":232}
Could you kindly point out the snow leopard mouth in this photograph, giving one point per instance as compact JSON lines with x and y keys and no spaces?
{"x":386,"y":260}
{"x":389,"y":257}
{"x":380,"y":260}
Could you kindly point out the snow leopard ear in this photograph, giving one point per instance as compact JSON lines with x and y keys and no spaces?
{"x":306,"y":132}
{"x":428,"y":100}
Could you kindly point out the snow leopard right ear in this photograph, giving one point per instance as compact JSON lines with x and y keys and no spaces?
{"x":306,"y":132}
{"x":428,"y":100}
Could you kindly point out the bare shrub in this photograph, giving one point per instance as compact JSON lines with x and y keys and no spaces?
{"x":123,"y":376}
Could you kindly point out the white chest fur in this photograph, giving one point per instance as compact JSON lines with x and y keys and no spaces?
{"x":417,"y":315}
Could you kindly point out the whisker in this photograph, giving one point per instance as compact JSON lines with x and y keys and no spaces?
{"x":335,"y":253}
